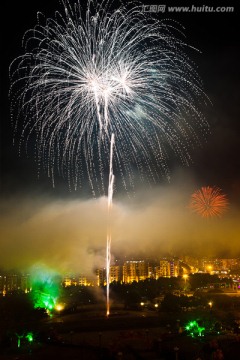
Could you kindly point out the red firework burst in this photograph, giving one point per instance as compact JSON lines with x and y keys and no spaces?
{"x":209,"y":202}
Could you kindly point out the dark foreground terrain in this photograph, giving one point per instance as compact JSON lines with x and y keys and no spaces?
{"x":124,"y":335}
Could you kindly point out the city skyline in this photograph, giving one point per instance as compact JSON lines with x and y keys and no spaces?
{"x":129,"y":269}
{"x":42,"y":224}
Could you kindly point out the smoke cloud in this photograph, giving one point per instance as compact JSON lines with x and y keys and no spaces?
{"x":70,"y":235}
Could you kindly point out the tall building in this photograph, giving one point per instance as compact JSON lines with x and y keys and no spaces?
{"x":134,"y":271}
{"x":87,"y":280}
{"x":164,"y":270}
{"x":14,"y":282}
{"x":150,"y":273}
{"x":174,"y":268}
{"x":70,"y":280}
{"x":157,"y":272}
{"x":83,"y":281}
{"x":78,"y":280}
{"x":3,"y":281}
{"x":168,"y":268}
{"x":115,"y":274}
{"x":25,"y":283}
{"x":101,"y":277}
{"x":230,"y":264}
{"x":141,"y":270}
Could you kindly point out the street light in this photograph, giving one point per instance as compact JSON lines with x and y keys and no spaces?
{"x":59,"y":308}
{"x":209,"y":269}
{"x":210,"y":305}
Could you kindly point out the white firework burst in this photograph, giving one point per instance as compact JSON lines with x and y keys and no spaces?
{"x":88,"y":74}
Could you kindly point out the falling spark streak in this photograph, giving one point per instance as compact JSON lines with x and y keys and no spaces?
{"x":109,"y":235}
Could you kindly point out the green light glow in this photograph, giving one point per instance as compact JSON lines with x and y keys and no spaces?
{"x":194,"y":328}
{"x":29,"y":337}
{"x":45,"y":290}
{"x":19,"y":337}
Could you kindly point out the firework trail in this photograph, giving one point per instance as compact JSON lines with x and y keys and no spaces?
{"x":86,"y":75}
{"x":209,"y":202}
{"x":109,"y":234}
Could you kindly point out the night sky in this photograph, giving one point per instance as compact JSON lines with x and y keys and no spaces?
{"x":55,"y":226}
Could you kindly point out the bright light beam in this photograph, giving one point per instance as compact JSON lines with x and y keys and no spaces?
{"x":109,"y":234}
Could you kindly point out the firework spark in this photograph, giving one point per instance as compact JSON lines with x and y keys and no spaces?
{"x":87,"y":75}
{"x":209,"y":202}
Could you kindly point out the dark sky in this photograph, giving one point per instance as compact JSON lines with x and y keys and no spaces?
{"x":216,"y":163}
{"x":216,"y":35}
